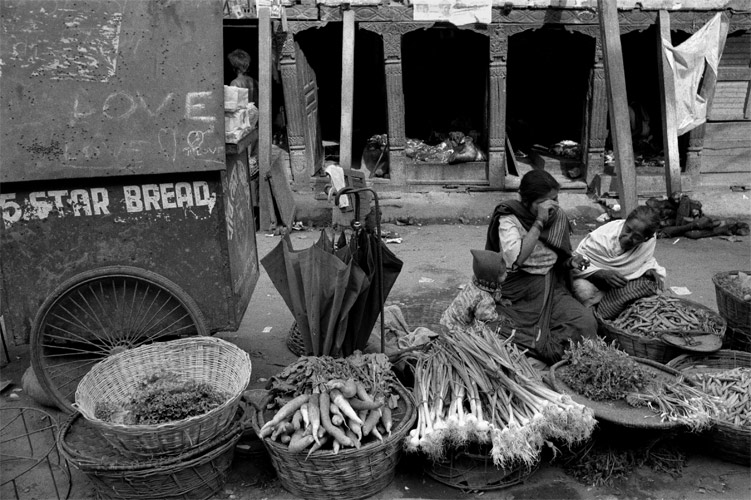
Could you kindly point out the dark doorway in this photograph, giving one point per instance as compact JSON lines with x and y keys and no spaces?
{"x":445,"y":75}
{"x":548,"y":78}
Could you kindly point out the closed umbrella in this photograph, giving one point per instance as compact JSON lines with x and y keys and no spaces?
{"x":319,"y":287}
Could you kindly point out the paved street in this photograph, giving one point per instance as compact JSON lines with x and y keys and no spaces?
{"x":436,"y":262}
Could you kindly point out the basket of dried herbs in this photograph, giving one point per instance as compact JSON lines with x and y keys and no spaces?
{"x":630,"y":391}
{"x":165,"y":398}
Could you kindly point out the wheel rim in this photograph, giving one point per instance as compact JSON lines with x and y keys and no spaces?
{"x":100,"y":316}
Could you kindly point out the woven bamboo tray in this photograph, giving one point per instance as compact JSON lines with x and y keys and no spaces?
{"x":619,"y":412}
{"x":736,"y":311}
{"x":350,"y":474}
{"x":725,"y":441}
{"x":650,"y":347}
{"x":295,"y":343}
{"x":221,"y":364}
{"x":474,"y":470}
{"x":198,"y":474}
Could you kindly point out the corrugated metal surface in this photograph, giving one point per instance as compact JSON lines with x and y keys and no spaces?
{"x":174,"y":225}
{"x":94,"y":88}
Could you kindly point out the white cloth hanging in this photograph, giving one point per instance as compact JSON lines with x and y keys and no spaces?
{"x":336,"y":174}
{"x":687,"y":62}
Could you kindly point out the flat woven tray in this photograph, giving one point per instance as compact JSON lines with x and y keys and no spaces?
{"x":350,"y":474}
{"x":474,"y":470}
{"x":619,"y":412}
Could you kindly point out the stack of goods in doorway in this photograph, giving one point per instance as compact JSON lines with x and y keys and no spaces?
{"x":453,"y":148}
{"x":240,"y":116}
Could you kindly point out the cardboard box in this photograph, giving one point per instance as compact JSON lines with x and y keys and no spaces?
{"x":235,"y":98}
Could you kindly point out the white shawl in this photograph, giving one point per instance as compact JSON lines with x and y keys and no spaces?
{"x":604,"y":252}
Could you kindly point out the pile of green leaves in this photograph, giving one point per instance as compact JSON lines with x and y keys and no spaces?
{"x":604,"y":460}
{"x":600,"y":371}
{"x":163,"y":397}
{"x":374,"y":370}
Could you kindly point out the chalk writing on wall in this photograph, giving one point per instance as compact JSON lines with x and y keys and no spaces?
{"x":100,"y":201}
{"x":65,"y":44}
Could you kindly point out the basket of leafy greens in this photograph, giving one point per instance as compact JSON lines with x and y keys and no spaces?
{"x":630,"y":391}
{"x":165,"y":398}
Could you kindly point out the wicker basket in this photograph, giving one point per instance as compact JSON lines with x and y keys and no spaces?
{"x":649,"y":347}
{"x":726,"y":441}
{"x":295,"y":343}
{"x":350,"y":474}
{"x":736,"y":311}
{"x":221,"y":364}
{"x":474,"y":470}
{"x":197,"y":474}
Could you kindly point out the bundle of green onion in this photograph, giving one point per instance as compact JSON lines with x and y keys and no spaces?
{"x":472,"y":386}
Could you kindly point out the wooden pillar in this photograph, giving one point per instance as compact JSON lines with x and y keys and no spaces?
{"x":396,"y":132}
{"x":294,"y":111}
{"x":267,"y":213}
{"x":391,"y":33}
{"x":667,"y":109}
{"x":497,"y":119}
{"x":620,"y":128}
{"x":596,"y":119}
{"x":348,"y":88}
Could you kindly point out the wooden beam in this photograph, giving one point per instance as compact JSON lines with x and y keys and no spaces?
{"x":667,"y":109}
{"x":267,"y":214}
{"x":620,"y":129}
{"x":348,"y":88}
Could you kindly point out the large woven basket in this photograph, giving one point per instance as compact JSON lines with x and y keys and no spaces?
{"x":735,"y":310}
{"x":725,"y":441}
{"x":650,"y":347}
{"x":474,"y":470}
{"x":209,"y":360}
{"x":351,"y":473}
{"x":197,"y":474}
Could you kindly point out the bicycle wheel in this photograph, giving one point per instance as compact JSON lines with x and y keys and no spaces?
{"x":100,"y":313}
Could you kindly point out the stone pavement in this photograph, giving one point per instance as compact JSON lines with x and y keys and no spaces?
{"x":436,"y":262}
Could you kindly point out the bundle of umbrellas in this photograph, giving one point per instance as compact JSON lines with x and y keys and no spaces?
{"x":473,"y":387}
{"x":333,"y":290}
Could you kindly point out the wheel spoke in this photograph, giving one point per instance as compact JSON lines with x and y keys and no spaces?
{"x":134,"y":332}
{"x":77,"y":322}
{"x":106,"y":314}
{"x":145,"y":324}
{"x":71,"y":334}
{"x":71,"y":349}
{"x":160,"y":334}
{"x":165,"y":317}
{"x":133,"y":314}
{"x":93,"y":315}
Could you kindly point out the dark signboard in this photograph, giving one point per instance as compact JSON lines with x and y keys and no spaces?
{"x":94,"y":88}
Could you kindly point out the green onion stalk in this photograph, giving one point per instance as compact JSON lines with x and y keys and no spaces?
{"x":473,"y":386}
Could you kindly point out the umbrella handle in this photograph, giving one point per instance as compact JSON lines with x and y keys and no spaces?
{"x":379,"y":255}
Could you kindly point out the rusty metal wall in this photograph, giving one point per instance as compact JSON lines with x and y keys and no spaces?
{"x":94,"y":88}
{"x":173,"y":224}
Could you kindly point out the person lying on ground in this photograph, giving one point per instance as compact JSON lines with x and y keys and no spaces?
{"x":533,"y":237}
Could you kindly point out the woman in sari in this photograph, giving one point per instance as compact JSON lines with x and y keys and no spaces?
{"x":622,"y":263}
{"x":533,"y":237}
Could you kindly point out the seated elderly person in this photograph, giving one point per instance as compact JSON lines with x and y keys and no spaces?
{"x":622,"y":267}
